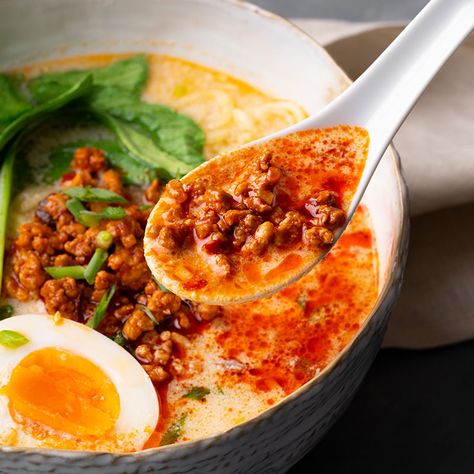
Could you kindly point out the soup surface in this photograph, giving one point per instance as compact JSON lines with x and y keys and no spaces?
{"x":213,"y":367}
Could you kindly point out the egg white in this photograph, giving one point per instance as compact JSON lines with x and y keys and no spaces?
{"x":139,"y":408}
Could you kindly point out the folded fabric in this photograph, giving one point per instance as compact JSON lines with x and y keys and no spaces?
{"x":436,"y":144}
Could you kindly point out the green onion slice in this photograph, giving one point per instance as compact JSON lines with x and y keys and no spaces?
{"x":148,"y":312}
{"x":91,"y":218}
{"x":95,"y":264}
{"x":75,"y":207}
{"x":75,"y":271}
{"x":101,"y":309}
{"x":104,"y":239}
{"x":12,"y":339}
{"x":88,"y":194}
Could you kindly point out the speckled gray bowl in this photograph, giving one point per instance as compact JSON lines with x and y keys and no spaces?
{"x":274,"y":55}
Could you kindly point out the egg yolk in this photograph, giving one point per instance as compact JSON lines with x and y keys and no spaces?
{"x":63,"y":391}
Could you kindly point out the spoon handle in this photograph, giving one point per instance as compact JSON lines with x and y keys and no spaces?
{"x":383,"y":96}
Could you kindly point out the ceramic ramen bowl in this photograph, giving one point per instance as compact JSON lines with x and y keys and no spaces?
{"x":273,"y":55}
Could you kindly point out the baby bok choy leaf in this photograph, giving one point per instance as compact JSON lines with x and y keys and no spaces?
{"x":176,"y":134}
{"x":34,"y":115}
{"x":13,"y":104}
{"x":140,"y":144}
{"x":6,"y":179}
{"x":129,"y":75}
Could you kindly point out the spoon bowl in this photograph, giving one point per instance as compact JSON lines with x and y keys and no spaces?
{"x":327,"y":160}
{"x":377,"y":104}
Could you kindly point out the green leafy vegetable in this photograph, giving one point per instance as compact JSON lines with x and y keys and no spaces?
{"x":197,"y":393}
{"x":95,"y":264}
{"x":128,"y":75}
{"x":13,"y":104}
{"x":101,"y":309}
{"x":176,"y":134}
{"x":6,"y":311}
{"x":12,"y":339}
{"x":6,"y":178}
{"x":88,"y":194}
{"x":91,"y":218}
{"x":151,"y":135}
{"x":74,"y":271}
{"x":38,"y":113}
{"x":134,"y":170}
{"x":138,"y":143}
{"x":174,"y":432}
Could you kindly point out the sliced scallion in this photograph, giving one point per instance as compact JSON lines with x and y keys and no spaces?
{"x":95,"y":264}
{"x":148,"y":312}
{"x":88,"y":194}
{"x":91,"y":218}
{"x":75,"y":207}
{"x":12,"y":339}
{"x":104,"y":239}
{"x":75,"y":271}
{"x":101,"y":309}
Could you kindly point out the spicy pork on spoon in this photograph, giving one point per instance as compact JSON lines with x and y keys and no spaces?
{"x":252,"y":220}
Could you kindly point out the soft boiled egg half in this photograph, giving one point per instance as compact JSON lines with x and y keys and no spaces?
{"x":66,"y":386}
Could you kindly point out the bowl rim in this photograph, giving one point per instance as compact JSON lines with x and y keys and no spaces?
{"x":392,"y":274}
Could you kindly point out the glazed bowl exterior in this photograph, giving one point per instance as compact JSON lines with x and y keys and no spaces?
{"x":275,"y":56}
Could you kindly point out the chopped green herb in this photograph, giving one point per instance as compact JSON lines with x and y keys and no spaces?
{"x":104,"y":239}
{"x":101,"y":309}
{"x":75,"y":271}
{"x":220,"y":390}
{"x":174,"y":431}
{"x":145,"y":207}
{"x":148,"y":312}
{"x":197,"y":393}
{"x":88,"y":194}
{"x":95,"y":264}
{"x":12,"y":339}
{"x":6,"y":311}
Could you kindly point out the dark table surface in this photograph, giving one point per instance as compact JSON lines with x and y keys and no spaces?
{"x":413,"y":414}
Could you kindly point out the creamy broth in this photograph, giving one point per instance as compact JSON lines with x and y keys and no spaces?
{"x":255,"y":354}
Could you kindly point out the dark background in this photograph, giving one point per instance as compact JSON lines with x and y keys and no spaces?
{"x":415,"y":410}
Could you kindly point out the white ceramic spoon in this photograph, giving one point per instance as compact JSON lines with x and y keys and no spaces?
{"x":378,"y":101}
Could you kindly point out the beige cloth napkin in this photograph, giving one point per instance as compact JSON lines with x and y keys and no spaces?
{"x":436,"y":144}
